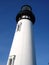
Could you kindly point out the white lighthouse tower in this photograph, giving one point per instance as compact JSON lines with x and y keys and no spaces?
{"x":22,"y":50}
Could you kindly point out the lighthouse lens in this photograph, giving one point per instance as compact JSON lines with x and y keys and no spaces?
{"x":26,"y":7}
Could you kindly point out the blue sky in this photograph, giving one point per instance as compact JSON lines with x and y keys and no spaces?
{"x":8,"y":12}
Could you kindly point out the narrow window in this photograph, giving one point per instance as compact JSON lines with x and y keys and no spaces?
{"x":11,"y":60}
{"x":19,"y":26}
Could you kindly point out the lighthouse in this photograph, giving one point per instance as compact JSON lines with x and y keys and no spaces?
{"x":22,"y":50}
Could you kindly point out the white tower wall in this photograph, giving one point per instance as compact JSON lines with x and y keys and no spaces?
{"x":22,"y":46}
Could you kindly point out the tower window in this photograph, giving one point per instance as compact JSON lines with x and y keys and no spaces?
{"x":19,"y":26}
{"x":11,"y":60}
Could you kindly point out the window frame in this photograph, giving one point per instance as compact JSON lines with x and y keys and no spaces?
{"x":11,"y":58}
{"x":19,"y":26}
